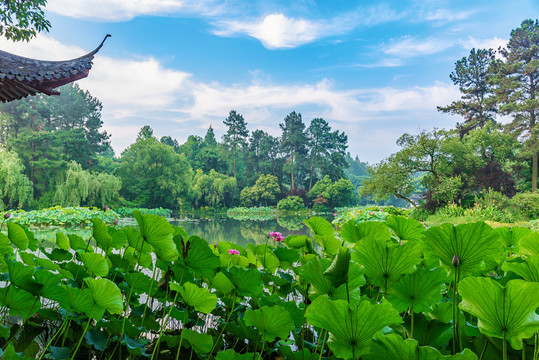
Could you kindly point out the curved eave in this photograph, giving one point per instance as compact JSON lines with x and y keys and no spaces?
{"x":21,"y":76}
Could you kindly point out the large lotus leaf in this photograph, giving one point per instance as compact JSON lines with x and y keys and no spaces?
{"x":313,"y":272}
{"x":11,"y":354}
{"x":392,"y":346}
{"x":119,"y":238}
{"x":420,"y":289}
{"x":351,"y":328}
{"x":430,"y":332}
{"x":106,"y":294}
{"x":52,"y":288}
{"x":59,"y":353}
{"x":5,"y":245}
{"x":158,"y":232}
{"x":356,"y":279}
{"x":319,"y":226}
{"x":286,"y":256}
{"x":221,"y":283}
{"x":406,"y":229}
{"x":199,"y":298}
{"x":511,"y":308}
{"x":101,"y":234}
{"x":232,"y":355}
{"x":19,"y":301}
{"x":78,"y":243}
{"x":200,"y":258}
{"x":337,"y":272}
{"x":22,"y":277}
{"x":33,"y":242}
{"x":17,"y":236}
{"x":273,"y":322}
{"x":95,"y":263}
{"x":201,"y":343}
{"x":384,"y":262}
{"x":140,"y":283}
{"x":353,"y":233}
{"x":528,"y":270}
{"x":32,"y":260}
{"x":472,"y":243}
{"x":262,"y":254}
{"x":512,"y":235}
{"x":97,"y":338}
{"x":62,"y":241}
{"x":58,"y":255}
{"x":82,"y":302}
{"x":135,"y":240}
{"x":298,"y":241}
{"x":329,"y":243}
{"x":137,"y":348}
{"x":247,"y":282}
{"x":529,"y":244}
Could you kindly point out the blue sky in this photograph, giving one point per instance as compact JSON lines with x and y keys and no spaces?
{"x":374,"y":69}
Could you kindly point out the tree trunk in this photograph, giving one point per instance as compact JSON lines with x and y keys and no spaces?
{"x":405,"y":198}
{"x":235,"y":177}
{"x":292,"y":185}
{"x":534,"y":171}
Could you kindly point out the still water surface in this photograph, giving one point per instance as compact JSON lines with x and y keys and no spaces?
{"x":214,"y":229}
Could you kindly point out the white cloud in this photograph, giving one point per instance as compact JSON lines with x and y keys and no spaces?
{"x":274,"y":30}
{"x":443,"y":16}
{"x":493,"y":43}
{"x":408,"y":46}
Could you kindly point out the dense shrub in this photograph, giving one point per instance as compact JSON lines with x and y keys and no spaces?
{"x":493,"y":198}
{"x":527,"y":204}
{"x":291,"y":203}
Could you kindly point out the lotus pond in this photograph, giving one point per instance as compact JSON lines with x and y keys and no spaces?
{"x":372,"y":290}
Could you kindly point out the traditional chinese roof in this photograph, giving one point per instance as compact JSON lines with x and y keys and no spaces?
{"x":20,"y":76}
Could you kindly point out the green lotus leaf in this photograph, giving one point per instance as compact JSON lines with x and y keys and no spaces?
{"x":392,"y":346}
{"x":420,"y":290}
{"x":353,"y":233}
{"x":286,"y":256}
{"x":30,"y":259}
{"x":356,"y":279}
{"x":247,"y":282}
{"x":101,"y":234}
{"x":337,"y":272}
{"x":19,"y":301}
{"x":297,"y":241}
{"x":442,"y":312}
{"x":406,"y":229}
{"x":351,"y":328}
{"x":313,"y":272}
{"x":78,"y":243}
{"x":264,"y":256}
{"x":471,"y":243}
{"x":158,"y":232}
{"x":232,"y":355}
{"x":200,"y":258}
{"x":135,"y":240}
{"x":97,"y":338}
{"x":119,"y":238}
{"x":273,"y":322}
{"x":82,"y":302}
{"x":59,"y":353}
{"x":17,"y":236}
{"x":106,"y":294}
{"x":512,"y":235}
{"x":221,"y":283}
{"x":224,"y":246}
{"x":179,"y":237}
{"x":529,"y":244}
{"x":510,"y":309}
{"x":52,"y":288}
{"x":199,"y":298}
{"x":137,"y":348}
{"x":319,"y":226}
{"x":528,"y":270}
{"x":11,"y":354}
{"x":4,"y":332}
{"x":62,"y":241}
{"x":59,"y":255}
{"x":22,"y":277}
{"x":430,"y":332}
{"x":95,"y":263}
{"x":384,"y":262}
{"x":201,"y":343}
{"x":140,"y":283}
{"x":5,"y":245}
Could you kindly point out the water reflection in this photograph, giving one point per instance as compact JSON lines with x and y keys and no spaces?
{"x":241,"y":232}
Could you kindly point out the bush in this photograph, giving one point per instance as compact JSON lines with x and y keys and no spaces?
{"x":420,"y":214}
{"x":493,"y":198}
{"x":451,"y":210}
{"x":527,"y":204}
{"x":291,"y":203}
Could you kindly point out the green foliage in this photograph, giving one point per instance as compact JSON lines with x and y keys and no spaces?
{"x":59,"y":216}
{"x":291,"y":203}
{"x":527,"y":204}
{"x":128,"y":212}
{"x":22,"y":21}
{"x":265,"y":190}
{"x":339,"y":193}
{"x":213,"y":189}
{"x":15,"y":187}
{"x":252,"y":213}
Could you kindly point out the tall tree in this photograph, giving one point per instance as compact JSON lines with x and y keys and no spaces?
{"x":22,"y":20}
{"x":327,"y":151}
{"x":209,"y":138}
{"x":15,"y":187}
{"x":236,"y":134}
{"x":145,"y":133}
{"x":168,"y":140}
{"x":473,"y":76}
{"x":254,"y":154}
{"x":518,"y":83}
{"x":294,"y":141}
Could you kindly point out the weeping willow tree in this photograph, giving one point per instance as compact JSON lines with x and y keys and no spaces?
{"x":83,"y":187}
{"x":15,"y":187}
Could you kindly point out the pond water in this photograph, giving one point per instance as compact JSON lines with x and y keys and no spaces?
{"x":213,"y":229}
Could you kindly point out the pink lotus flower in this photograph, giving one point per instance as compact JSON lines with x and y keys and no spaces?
{"x":233,"y":252}
{"x":116,"y":222}
{"x":7,"y":215}
{"x":277,"y":236}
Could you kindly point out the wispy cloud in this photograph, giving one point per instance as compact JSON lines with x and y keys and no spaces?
{"x":442,"y":16}
{"x":492,"y":43}
{"x":408,"y":46}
